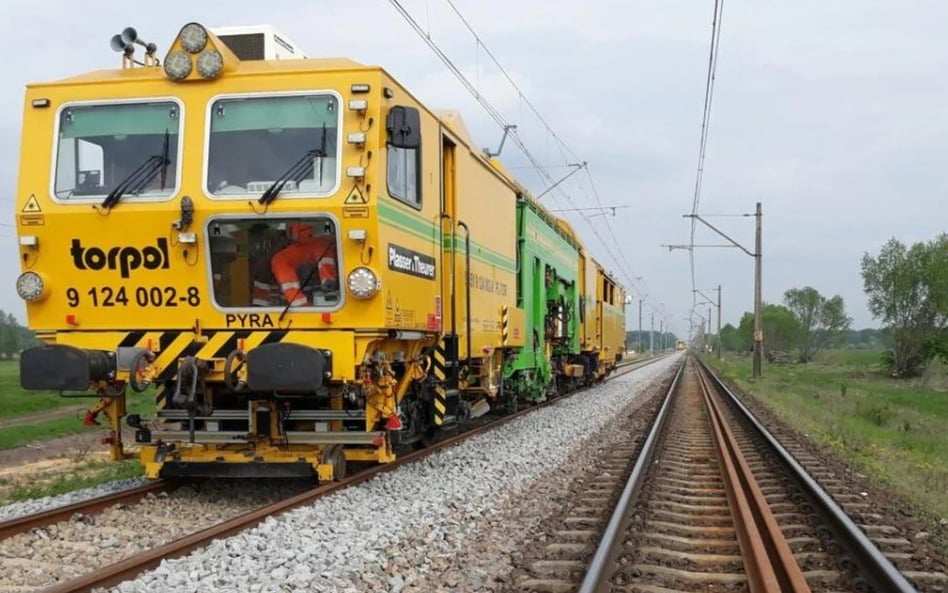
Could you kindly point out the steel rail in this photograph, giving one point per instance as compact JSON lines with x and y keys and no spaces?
{"x":768,"y":560}
{"x":112,"y":574}
{"x":598,"y":573}
{"x":878,"y":570}
{"x":91,"y":506}
{"x":96,"y":505}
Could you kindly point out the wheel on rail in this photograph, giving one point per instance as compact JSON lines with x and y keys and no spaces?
{"x":334,"y":455}
{"x":429,"y":437}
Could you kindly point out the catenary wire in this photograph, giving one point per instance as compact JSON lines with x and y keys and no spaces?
{"x":563,"y":145}
{"x":716,"y":25}
{"x":499,"y":119}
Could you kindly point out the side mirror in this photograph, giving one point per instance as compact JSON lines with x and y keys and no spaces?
{"x":404,"y":127}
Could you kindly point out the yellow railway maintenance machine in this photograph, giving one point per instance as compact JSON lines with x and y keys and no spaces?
{"x":277,"y":250}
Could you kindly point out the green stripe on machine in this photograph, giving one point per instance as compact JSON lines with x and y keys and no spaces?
{"x":427,"y":230}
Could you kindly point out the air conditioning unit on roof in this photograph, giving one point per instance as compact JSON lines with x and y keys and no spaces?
{"x":258,"y":42}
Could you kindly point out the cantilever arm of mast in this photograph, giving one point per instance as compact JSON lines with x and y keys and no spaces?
{"x":720,"y":232}
{"x":710,"y":302}
{"x":688,"y":247}
{"x":576,"y":168}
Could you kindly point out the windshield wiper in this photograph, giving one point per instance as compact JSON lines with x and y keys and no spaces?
{"x":296,"y":169}
{"x":165,"y":160}
{"x":161,"y":168}
{"x":141,"y":176}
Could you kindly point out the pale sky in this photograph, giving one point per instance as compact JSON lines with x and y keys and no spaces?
{"x":833,"y":114}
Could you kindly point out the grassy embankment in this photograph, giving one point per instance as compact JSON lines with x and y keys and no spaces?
{"x":894,"y":430}
{"x":30,"y":417}
{"x":22,"y":412}
{"x":83,"y":474}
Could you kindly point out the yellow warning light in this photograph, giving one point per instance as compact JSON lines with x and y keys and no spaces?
{"x":197,"y":54}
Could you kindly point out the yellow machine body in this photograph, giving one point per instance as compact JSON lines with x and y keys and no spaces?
{"x":170,"y":288}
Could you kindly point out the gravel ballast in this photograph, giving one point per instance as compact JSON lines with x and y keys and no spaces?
{"x":359,"y":538}
{"x":37,"y":505}
{"x":41,"y":557}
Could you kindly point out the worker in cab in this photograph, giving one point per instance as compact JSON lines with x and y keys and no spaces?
{"x":306,"y":248}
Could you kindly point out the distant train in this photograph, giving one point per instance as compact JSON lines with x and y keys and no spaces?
{"x":680,"y":345}
{"x":300,"y":261}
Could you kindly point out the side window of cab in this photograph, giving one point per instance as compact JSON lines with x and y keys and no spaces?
{"x":403,"y":174}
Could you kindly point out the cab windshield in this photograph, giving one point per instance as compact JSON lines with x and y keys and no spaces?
{"x":274,"y":262}
{"x":255,"y":141}
{"x":100,"y":146}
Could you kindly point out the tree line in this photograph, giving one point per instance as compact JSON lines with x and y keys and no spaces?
{"x":907,"y":290}
{"x":13,"y":336}
{"x":639,"y":340}
{"x":806,"y":323}
{"x":858,"y":339}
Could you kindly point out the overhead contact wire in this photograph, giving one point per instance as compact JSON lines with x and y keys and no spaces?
{"x":502,"y":122}
{"x":716,"y":23}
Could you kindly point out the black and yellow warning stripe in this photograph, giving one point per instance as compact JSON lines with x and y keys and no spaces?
{"x":439,"y":367}
{"x":216,"y":343}
{"x":212,"y":345}
{"x":440,"y":404}
{"x":171,"y":346}
{"x":504,"y":326}
{"x":439,"y":371}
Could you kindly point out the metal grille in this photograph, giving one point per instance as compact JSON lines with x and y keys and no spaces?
{"x":249,"y":46}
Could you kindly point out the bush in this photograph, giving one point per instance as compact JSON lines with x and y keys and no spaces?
{"x":911,"y":366}
{"x":878,"y":415}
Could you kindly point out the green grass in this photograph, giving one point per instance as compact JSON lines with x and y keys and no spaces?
{"x":17,"y":436}
{"x":894,"y":430}
{"x":17,"y":402}
{"x":22,"y":434}
{"x":84,"y":475}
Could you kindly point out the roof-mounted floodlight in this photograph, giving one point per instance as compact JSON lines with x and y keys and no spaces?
{"x":197,"y":54}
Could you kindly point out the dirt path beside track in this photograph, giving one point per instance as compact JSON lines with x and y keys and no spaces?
{"x":43,"y":462}
{"x":54,"y":414}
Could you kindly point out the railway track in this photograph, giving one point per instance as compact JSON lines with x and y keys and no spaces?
{"x":845,"y":513}
{"x":96,"y":505}
{"x":92,"y":506}
{"x":708,"y":502}
{"x":67,"y":549}
{"x":109,"y":575}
